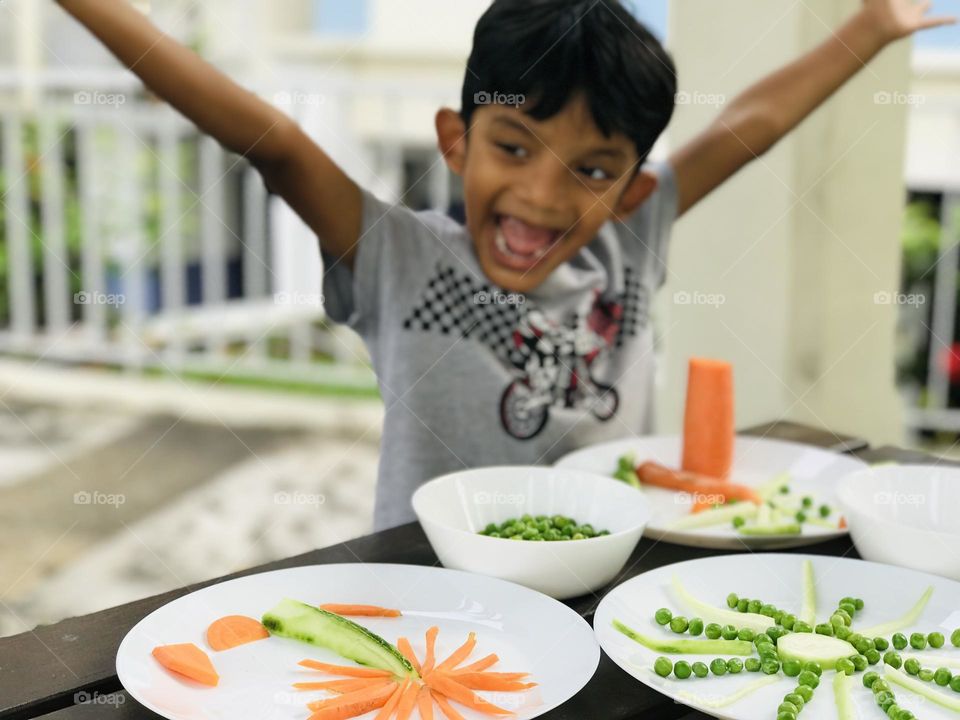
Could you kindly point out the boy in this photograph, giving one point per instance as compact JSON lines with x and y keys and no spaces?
{"x":524,"y":333}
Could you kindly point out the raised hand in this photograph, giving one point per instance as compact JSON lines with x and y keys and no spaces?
{"x":895,"y":19}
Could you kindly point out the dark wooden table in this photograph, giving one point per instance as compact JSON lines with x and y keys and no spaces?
{"x":66,"y":671}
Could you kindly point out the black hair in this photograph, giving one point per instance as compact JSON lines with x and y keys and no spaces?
{"x":546,"y":51}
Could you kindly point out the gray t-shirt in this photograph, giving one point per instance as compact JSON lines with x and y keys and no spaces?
{"x":471,"y":375}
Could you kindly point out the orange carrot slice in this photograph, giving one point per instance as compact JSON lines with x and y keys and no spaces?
{"x":343,"y":686}
{"x":408,"y":701}
{"x":386,"y":712}
{"x":431,"y":657}
{"x":352,"y":704}
{"x":843,"y":523}
{"x":425,"y":703}
{"x":459,"y":655}
{"x":348,"y":670}
{"x":360,"y":610}
{"x":652,"y":473}
{"x":403,"y":645}
{"x":708,"y":428}
{"x":188,"y":660}
{"x":445,"y":707}
{"x":233,"y":630}
{"x":445,"y":685}
{"x":501,"y":682}
{"x":479,"y":666}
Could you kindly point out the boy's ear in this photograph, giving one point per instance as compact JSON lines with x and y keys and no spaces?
{"x":452,"y":139}
{"x":640,"y":188}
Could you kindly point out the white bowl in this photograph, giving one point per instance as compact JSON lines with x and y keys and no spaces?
{"x":454,"y":508}
{"x":905,"y":515}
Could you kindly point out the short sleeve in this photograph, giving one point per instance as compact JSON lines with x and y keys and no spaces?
{"x":646,"y":234}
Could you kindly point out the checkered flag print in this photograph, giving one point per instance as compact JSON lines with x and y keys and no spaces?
{"x":636,"y":306}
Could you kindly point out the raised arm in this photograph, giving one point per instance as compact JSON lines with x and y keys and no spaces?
{"x":291,"y":164}
{"x":758,"y":118}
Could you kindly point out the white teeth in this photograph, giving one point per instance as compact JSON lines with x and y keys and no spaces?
{"x":502,"y":243}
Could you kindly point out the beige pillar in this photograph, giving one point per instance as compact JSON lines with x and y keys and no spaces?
{"x":799,"y":249}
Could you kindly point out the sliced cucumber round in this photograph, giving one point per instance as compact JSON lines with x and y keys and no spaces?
{"x":811,"y":647}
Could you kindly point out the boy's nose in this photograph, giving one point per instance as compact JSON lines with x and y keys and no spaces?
{"x":546,"y":186}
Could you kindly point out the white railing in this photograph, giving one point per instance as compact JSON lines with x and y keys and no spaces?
{"x":133,"y":241}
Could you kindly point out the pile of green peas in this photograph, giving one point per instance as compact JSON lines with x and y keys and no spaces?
{"x":542,"y":528}
{"x":884,"y":697}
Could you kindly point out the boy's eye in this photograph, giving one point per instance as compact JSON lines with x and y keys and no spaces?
{"x":595,"y":173}
{"x":513,"y":150}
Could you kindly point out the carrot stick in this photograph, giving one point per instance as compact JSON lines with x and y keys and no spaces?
{"x":652,"y":473}
{"x":348,"y":670}
{"x":445,"y":707}
{"x":386,"y":712}
{"x":708,"y":430}
{"x":352,"y":704}
{"x":403,"y":645}
{"x":233,"y":630}
{"x":425,"y":703}
{"x":490,"y":681}
{"x":445,"y":685}
{"x":431,"y":656}
{"x":479,"y":666}
{"x":408,"y":701}
{"x":360,"y":610}
{"x":459,"y":655}
{"x":188,"y":660}
{"x":343,"y":686}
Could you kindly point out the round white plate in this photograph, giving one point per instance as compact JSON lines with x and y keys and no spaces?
{"x":889,"y":592}
{"x":813,"y":471}
{"x":526,"y":629}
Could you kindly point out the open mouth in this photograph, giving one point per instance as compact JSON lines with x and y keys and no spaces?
{"x":520,"y":245}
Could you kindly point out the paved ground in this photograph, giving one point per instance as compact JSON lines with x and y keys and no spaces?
{"x":102,"y":503}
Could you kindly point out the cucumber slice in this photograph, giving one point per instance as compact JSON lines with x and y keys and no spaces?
{"x":716,"y":703}
{"x":951,"y":702}
{"x":811,"y":647}
{"x":754,"y":621}
{"x":808,"y":611}
{"x":691,"y":647}
{"x":908,"y":620}
{"x":843,"y":695}
{"x":715,"y":516}
{"x":772,"y":487}
{"x":772,"y":529}
{"x":299,"y":621}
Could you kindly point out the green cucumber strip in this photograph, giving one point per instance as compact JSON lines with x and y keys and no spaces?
{"x":808,"y":611}
{"x":813,"y":647}
{"x":832,"y":525}
{"x":908,"y":620}
{"x":951,"y":702}
{"x":723,"y":616}
{"x":935,"y":660}
{"x":773,"y":485}
{"x":310,"y":624}
{"x":721,"y":702}
{"x":715,"y":516}
{"x":765,"y":514}
{"x":843,"y":695}
{"x":688,"y":647}
{"x":772,"y":529}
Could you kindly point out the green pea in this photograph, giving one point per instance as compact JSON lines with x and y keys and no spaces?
{"x":809,"y":679}
{"x":734,"y":665}
{"x":859,"y":603}
{"x":789,"y":620}
{"x":849,"y":608}
{"x":682,"y":669}
{"x":824,"y":629}
{"x":787,"y":707}
{"x":753,"y":665}
{"x":712,"y":631}
{"x":801,"y":517}
{"x":899,"y":641}
{"x":784,"y":715}
{"x":893,"y":659}
{"x":872,"y":655}
{"x":955,"y":683}
{"x":825,"y":511}
{"x":579,"y":536}
{"x":813,"y":667}
{"x":696,"y":626}
{"x":880,"y":685}
{"x":846,"y":666}
{"x":795,"y":699}
{"x":881,"y":644}
{"x":729,"y":632}
{"x":838,"y":619}
{"x":859,"y":662}
{"x":770,"y":666}
{"x":739,"y":522}
{"x":754,"y":606}
{"x":742,"y":604}
{"x":679,"y":624}
{"x":807,"y":502}
{"x":530,"y":534}
{"x":884,"y":699}
{"x":792,"y":668}
{"x":732,"y":600}
{"x":768,"y":610}
{"x":870,"y":678}
{"x":925,"y":674}
{"x":804,"y":691}
{"x":700,"y":670}
{"x":935,"y":639}
{"x":842,"y":632}
{"x":746,"y":634}
{"x":955,"y":637}
{"x":912,"y":666}
{"x":862,"y":645}
{"x":942,"y":677}
{"x":801,"y":626}
{"x":718,"y":667}
{"x":494,"y":534}
{"x":663,"y":667}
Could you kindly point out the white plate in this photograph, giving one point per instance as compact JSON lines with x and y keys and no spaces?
{"x":813,"y":471}
{"x":526,"y":629}
{"x":776,"y":579}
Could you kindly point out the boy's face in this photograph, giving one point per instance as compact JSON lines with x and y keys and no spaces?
{"x":536,"y":192}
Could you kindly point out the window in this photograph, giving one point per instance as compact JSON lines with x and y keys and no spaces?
{"x":654,"y":13}
{"x":341,"y":17}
